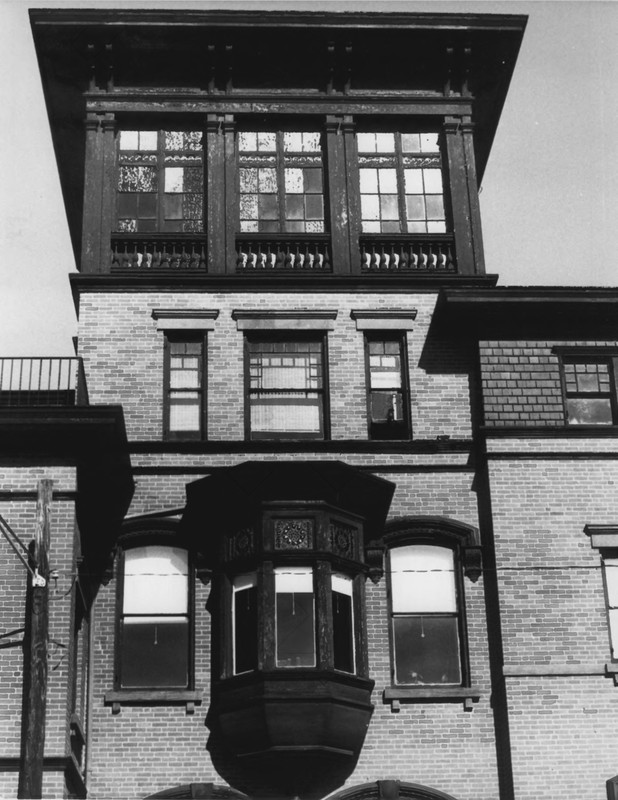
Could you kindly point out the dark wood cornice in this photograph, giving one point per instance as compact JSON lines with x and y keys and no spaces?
{"x":417,"y":283}
{"x":108,"y":18}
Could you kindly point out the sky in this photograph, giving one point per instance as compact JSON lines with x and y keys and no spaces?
{"x":549,"y":200}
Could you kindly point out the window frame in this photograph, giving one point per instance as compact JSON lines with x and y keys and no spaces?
{"x":279,"y":127}
{"x":201,"y":337}
{"x":163,"y":538}
{"x":464,"y":541}
{"x":267,"y":336}
{"x":399,"y":128}
{"x":459,"y":614}
{"x":160,"y":166}
{"x":403,"y":430}
{"x":591,"y":356}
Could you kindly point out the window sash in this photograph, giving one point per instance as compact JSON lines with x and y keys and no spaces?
{"x":387,"y":389}
{"x":590,"y":390}
{"x":184,"y":385}
{"x":160,"y":181}
{"x":295,"y":640}
{"x":286,"y":395}
{"x":426,"y":622}
{"x":154,"y":624}
{"x":400,"y":183}
{"x":244,"y":623}
{"x":281,"y":182}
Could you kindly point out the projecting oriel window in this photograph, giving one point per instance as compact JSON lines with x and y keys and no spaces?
{"x":401,"y":187}
{"x":387,"y":401}
{"x":281,"y":182}
{"x":160,"y":181}
{"x":590,"y":390}
{"x":294,"y":617}
{"x":286,"y":389}
{"x":425,"y":616}
{"x":184,"y":389}
{"x":154,"y":620}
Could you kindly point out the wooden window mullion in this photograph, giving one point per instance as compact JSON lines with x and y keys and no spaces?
{"x":401,"y":185}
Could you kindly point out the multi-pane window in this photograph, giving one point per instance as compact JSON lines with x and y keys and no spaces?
{"x":154,"y":619}
{"x":184,"y":385}
{"x":610,"y":568}
{"x":425,"y":615}
{"x":294,"y":617}
{"x":590,"y":391}
{"x":281,"y":182}
{"x":388,"y":396}
{"x":401,"y":187}
{"x":160,"y":183}
{"x":286,"y":389}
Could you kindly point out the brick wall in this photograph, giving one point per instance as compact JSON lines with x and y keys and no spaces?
{"x":562,"y":707}
{"x":123,"y":359}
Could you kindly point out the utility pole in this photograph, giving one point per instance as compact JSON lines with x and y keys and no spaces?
{"x":35,"y":652}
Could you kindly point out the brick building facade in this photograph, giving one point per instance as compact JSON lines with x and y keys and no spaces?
{"x":336,"y":517}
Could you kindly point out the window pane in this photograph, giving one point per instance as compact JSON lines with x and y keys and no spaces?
{"x":389,"y":208}
{"x":148,"y":140}
{"x":422,"y":579}
{"x":386,"y":407}
{"x":295,"y":631}
{"x":154,"y":652}
{"x":589,"y":411}
{"x":426,"y":650}
{"x":245,"y":623}
{"x":290,"y":415}
{"x":368,"y":181}
{"x":366,"y":142}
{"x":128,"y":140}
{"x":343,"y":623}
{"x":174,"y":179}
{"x":413,"y":180}
{"x":370,"y":207}
{"x":432,"y":179}
{"x":184,"y":412}
{"x":155,"y":580}
{"x":387,"y":179}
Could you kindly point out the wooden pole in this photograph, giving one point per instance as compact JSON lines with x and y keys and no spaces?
{"x":35,"y":656}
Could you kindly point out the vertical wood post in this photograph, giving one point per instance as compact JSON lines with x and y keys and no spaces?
{"x":35,"y":655}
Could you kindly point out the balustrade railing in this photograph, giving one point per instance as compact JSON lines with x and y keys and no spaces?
{"x":42,"y":382}
{"x":163,"y":252}
{"x":408,"y":253}
{"x":282,"y":253}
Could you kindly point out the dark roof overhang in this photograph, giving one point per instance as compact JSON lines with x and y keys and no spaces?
{"x":525,"y":313}
{"x":93,"y":440}
{"x":408,"y":57}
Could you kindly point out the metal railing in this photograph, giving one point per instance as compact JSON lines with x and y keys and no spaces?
{"x":42,"y":382}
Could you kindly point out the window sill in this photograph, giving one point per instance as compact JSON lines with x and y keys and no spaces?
{"x":432,"y":694}
{"x":149,"y":697}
